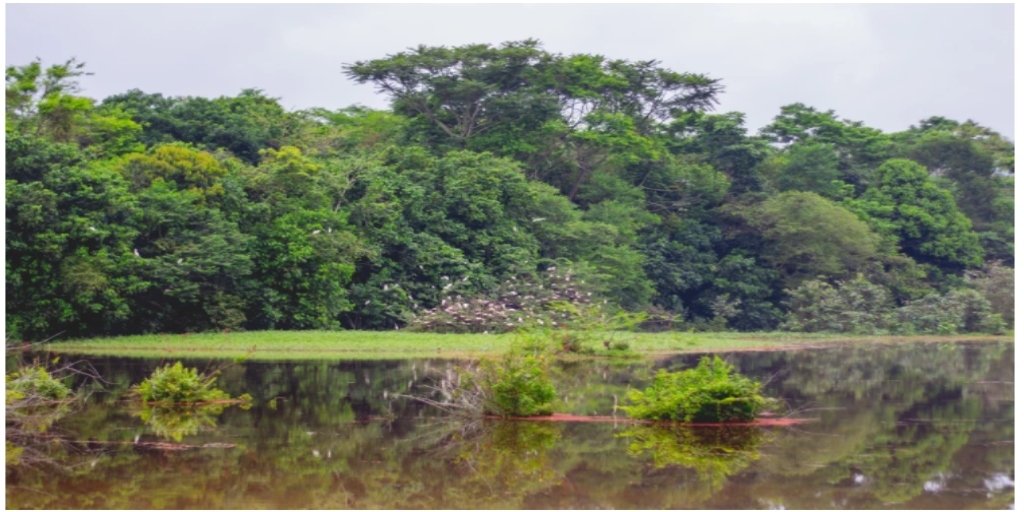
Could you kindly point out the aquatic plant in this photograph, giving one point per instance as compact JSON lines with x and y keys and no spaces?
{"x":175,"y":383}
{"x":709,"y":393}
{"x":34,"y":383}
{"x":512,"y":386}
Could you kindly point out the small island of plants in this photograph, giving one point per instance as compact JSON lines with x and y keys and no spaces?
{"x":177,"y":384}
{"x":710,"y":393}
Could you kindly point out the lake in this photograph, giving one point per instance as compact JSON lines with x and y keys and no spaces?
{"x":922,"y":425}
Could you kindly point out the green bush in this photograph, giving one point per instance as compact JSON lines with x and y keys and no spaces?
{"x":959,"y":311}
{"x":36,"y":383}
{"x":709,"y":393}
{"x":515,"y":386}
{"x":175,"y":383}
{"x":856,"y":306}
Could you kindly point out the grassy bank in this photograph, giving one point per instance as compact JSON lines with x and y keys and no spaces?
{"x":277,"y":345}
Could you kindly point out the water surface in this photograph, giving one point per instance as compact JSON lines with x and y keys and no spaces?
{"x":924,"y":425}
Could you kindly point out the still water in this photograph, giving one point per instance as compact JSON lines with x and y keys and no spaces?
{"x":889,"y":426}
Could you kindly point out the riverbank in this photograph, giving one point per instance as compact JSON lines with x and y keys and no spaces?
{"x":283,"y":345}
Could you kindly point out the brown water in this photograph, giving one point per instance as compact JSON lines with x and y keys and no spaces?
{"x":911,"y":426}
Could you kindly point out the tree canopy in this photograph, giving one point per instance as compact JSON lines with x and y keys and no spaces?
{"x":148,"y":213}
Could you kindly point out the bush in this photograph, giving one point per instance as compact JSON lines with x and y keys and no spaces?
{"x":709,"y":393}
{"x":34,"y":382}
{"x":855,"y":306}
{"x":959,"y":311}
{"x":175,"y":383}
{"x":514,"y":386}
{"x":995,"y":282}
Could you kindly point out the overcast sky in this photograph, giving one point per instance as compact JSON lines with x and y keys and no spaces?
{"x":887,"y":65}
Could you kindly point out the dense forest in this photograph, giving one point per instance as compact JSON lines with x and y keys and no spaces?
{"x":505,"y":182}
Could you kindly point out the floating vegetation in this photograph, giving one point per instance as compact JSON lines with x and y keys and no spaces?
{"x":709,"y":393}
{"x":177,"y":384}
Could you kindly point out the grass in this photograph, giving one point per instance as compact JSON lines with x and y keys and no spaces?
{"x":282,"y":345}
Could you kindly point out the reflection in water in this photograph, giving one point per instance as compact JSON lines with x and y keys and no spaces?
{"x":176,"y":422}
{"x":908,"y":426}
{"x":715,"y":453}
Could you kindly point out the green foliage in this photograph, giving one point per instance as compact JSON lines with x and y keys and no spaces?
{"x":995,"y":282}
{"x":808,"y":235}
{"x":810,"y":168}
{"x":514,"y":386}
{"x":34,"y":382}
{"x":860,"y":307}
{"x":860,"y":148}
{"x":902,"y":202}
{"x":146,"y":213}
{"x":709,"y":393}
{"x":855,"y":306}
{"x":959,"y":311}
{"x":177,"y":384}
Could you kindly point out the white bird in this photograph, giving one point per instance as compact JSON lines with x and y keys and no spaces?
{"x":538,"y":219}
{"x":515,"y":229}
{"x":136,"y":251}
{"x":316,"y":231}
{"x":385,"y":287}
{"x":316,"y":453}
{"x":180,"y":260}
{"x":92,"y":228}
{"x":137,"y":437}
{"x":367,"y":303}
{"x":329,"y":230}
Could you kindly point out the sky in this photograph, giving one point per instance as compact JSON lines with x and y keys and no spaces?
{"x":889,"y":66}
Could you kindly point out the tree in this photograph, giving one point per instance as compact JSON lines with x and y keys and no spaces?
{"x":903,"y":203}
{"x":808,"y":235}
{"x":721,"y":141}
{"x":69,"y":262}
{"x":859,"y":147}
{"x":243,"y":124}
{"x":464,"y":91}
{"x":809,"y":168}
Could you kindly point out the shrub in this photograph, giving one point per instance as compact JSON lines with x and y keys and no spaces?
{"x":709,"y":393}
{"x":511,"y":386}
{"x":175,"y":383}
{"x":34,"y":382}
{"x":588,"y":329}
{"x":959,"y":311}
{"x":995,"y":282}
{"x":856,"y":306}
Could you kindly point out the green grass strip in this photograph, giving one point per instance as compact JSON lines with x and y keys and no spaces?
{"x":295,"y":345}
